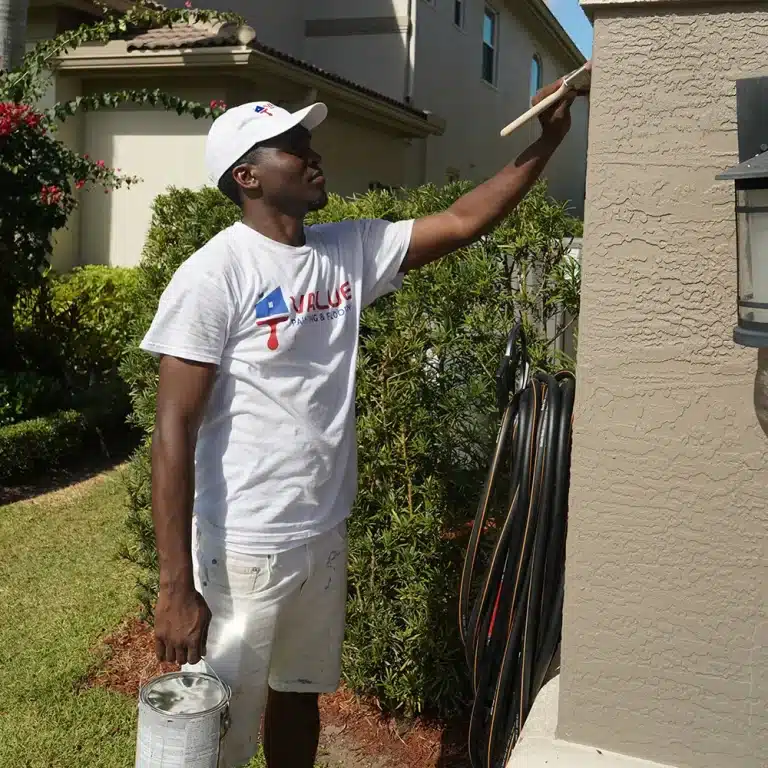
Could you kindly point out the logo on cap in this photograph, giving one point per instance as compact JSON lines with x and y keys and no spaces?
{"x":263,"y":109}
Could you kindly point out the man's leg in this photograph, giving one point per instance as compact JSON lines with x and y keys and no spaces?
{"x":291,"y":730}
{"x":245,"y":594}
{"x":306,"y":659}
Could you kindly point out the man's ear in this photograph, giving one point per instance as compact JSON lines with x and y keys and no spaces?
{"x":246,"y":177}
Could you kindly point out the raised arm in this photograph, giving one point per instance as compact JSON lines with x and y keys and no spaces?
{"x":479,"y":211}
{"x":181,"y":615}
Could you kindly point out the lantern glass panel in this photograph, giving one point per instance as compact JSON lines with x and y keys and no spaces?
{"x":752,"y":224}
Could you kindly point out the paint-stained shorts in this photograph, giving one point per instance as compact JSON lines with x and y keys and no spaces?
{"x":277,"y":620}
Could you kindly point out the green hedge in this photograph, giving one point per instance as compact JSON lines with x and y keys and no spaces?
{"x":76,"y":325}
{"x":426,"y":419}
{"x":39,"y":445}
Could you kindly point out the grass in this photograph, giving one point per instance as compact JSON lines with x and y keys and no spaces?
{"x":62,"y":589}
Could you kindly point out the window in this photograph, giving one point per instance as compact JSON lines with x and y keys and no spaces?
{"x":490,"y":36}
{"x":458,"y":13}
{"x":536,"y":75}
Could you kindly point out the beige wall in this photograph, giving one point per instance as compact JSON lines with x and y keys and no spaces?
{"x":161,"y":148}
{"x":476,"y":111}
{"x":666,"y":618}
{"x":377,"y":61}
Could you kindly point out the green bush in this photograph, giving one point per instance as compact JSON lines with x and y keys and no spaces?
{"x":37,"y":445}
{"x":76,"y":324}
{"x":426,"y":417}
{"x":28,"y":395}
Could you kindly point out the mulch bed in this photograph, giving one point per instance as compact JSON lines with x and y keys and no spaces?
{"x":354,"y":731}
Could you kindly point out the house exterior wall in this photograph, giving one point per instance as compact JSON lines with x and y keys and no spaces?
{"x":364,"y":42}
{"x":448,"y":81}
{"x":666,"y":619}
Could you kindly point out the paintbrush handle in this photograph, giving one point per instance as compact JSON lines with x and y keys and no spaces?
{"x":537,"y":110}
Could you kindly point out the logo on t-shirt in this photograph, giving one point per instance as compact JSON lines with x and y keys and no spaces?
{"x":272,"y":310}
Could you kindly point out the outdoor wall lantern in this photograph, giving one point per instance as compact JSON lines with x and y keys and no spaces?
{"x":751,"y":178}
{"x":751,"y":181}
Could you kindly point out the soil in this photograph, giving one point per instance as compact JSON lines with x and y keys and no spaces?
{"x":355,"y":733}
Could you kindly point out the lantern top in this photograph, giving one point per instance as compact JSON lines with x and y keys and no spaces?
{"x":750,"y":170}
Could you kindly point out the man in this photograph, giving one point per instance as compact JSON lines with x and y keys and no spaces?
{"x":257,"y":335}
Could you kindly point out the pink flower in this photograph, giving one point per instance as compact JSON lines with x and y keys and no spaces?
{"x":51,"y":195}
{"x":80,"y":183}
{"x":100,"y":163}
{"x":188,"y":4}
{"x":13,"y":116}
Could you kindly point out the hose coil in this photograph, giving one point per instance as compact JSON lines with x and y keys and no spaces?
{"x":511,"y":598}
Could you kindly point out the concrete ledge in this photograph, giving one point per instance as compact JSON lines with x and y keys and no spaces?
{"x":591,"y":7}
{"x":538,"y":747}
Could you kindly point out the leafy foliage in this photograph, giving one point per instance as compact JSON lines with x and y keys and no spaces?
{"x":76,"y":325}
{"x":39,"y":175}
{"x":27,"y":395}
{"x":426,"y":419}
{"x":42,"y":443}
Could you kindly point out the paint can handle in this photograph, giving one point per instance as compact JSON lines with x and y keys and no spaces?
{"x":226,"y":719}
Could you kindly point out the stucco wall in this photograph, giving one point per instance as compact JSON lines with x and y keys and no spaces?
{"x":664,"y":647}
{"x":476,"y":111}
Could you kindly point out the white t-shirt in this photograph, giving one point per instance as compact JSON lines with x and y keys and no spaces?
{"x":276,"y":459}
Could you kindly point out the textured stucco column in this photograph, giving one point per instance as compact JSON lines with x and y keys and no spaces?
{"x":664,"y":648}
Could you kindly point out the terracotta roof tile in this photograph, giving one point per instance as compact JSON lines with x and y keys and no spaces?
{"x":168,"y":38}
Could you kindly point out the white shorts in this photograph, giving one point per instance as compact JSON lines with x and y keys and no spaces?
{"x":277,"y":620}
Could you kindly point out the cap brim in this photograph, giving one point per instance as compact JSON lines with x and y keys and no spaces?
{"x":310,"y":117}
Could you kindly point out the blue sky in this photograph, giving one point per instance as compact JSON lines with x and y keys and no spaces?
{"x":570,"y":15}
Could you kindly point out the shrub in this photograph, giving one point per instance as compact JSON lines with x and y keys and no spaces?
{"x":27,"y":395}
{"x":426,"y":417}
{"x":45,"y":443}
{"x":77,"y":324}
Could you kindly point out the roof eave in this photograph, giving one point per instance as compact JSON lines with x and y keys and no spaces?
{"x":114,"y":57}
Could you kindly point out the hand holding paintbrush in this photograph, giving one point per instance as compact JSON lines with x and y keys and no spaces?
{"x":556,"y":97}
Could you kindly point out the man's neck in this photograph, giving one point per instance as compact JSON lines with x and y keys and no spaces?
{"x":279,"y":227}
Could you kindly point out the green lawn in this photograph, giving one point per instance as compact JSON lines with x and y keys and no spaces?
{"x":61,"y":589}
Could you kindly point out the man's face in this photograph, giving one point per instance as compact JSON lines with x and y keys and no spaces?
{"x":289,"y":174}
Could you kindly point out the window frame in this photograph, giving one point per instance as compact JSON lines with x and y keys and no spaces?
{"x":461,"y":5}
{"x":539,"y":64}
{"x":490,"y":11}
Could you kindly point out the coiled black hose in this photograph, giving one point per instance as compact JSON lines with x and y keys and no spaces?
{"x":511,"y":600}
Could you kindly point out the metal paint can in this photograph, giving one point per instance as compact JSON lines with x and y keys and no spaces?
{"x":182,"y":718}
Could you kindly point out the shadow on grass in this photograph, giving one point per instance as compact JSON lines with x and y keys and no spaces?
{"x":96,"y":457}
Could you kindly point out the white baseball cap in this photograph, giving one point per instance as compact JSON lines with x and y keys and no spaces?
{"x":239,"y":129}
